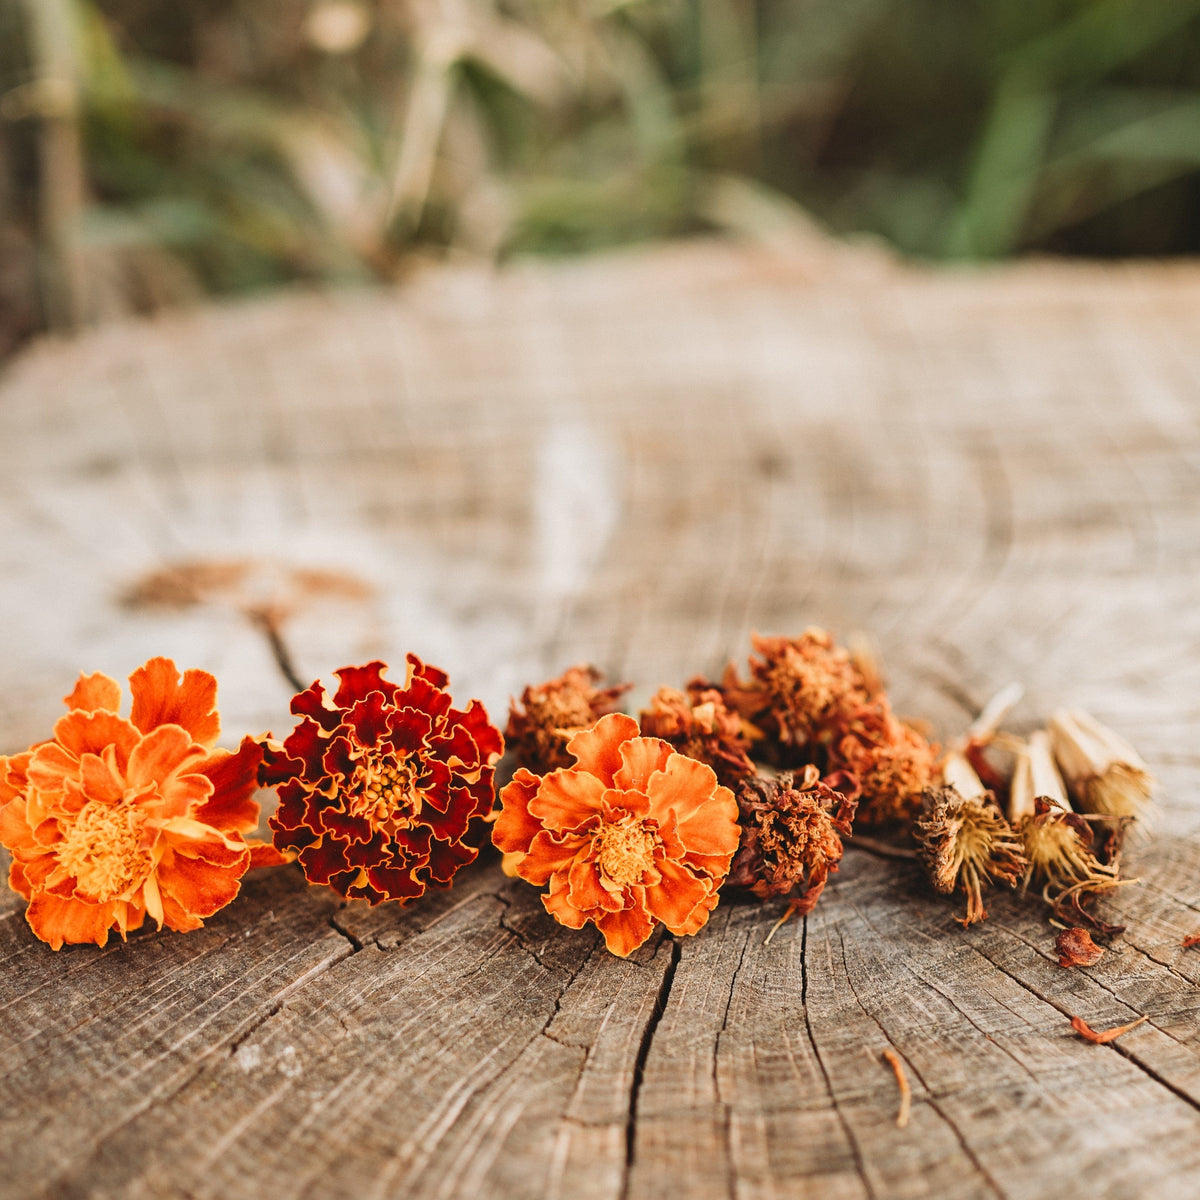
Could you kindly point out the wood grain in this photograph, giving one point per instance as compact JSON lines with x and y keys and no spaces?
{"x":633,"y":460}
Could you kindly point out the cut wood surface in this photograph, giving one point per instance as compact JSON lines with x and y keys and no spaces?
{"x":634,"y":461}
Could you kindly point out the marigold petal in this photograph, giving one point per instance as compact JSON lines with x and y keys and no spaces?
{"x":713,"y":830}
{"x":549,"y":854}
{"x":675,"y":897}
{"x":234,"y":777}
{"x":617,"y":803}
{"x":13,"y":778}
{"x":641,"y":757}
{"x":357,"y":683}
{"x":160,"y":697}
{"x":18,"y":880}
{"x":93,"y":693}
{"x":324,"y":859}
{"x":407,"y":730}
{"x":59,"y":919}
{"x":425,"y":697}
{"x":422,"y":670}
{"x":452,"y":824}
{"x":99,"y":780}
{"x":447,"y":857}
{"x":514,"y":829}
{"x":567,"y":798}
{"x":176,"y":917}
{"x":626,"y":930}
{"x":264,"y":854}
{"x":200,"y":888}
{"x":396,"y":883}
{"x":686,"y":786}
{"x":560,"y":907}
{"x":368,"y":718}
{"x":598,"y":750}
{"x":586,"y":891}
{"x":15,"y":831}
{"x":164,"y":752}
{"x":311,"y":703}
{"x":90,"y":732}
{"x":485,"y":735}
{"x":305,"y":745}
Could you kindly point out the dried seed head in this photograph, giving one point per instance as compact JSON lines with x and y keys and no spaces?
{"x":1035,"y":775}
{"x":551,"y":713}
{"x":799,"y":687}
{"x":1105,"y":773}
{"x":792,"y":830}
{"x":893,"y":763}
{"x":966,"y":842}
{"x":698,"y":723}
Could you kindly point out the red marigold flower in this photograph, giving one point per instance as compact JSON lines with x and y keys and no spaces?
{"x":632,"y":834}
{"x":114,"y":819}
{"x":378,"y":788}
{"x":550,"y":713}
{"x":701,"y":725}
{"x":799,"y":687}
{"x":892,"y":761}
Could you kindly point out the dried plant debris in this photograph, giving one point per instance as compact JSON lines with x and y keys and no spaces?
{"x":550,"y":714}
{"x":1076,"y":949}
{"x":792,"y":830}
{"x":701,"y":725}
{"x":1193,"y":939}
{"x":893,"y":762}
{"x":1104,"y":773}
{"x":965,"y":842}
{"x":1089,"y":1034}
{"x":894,"y":1061}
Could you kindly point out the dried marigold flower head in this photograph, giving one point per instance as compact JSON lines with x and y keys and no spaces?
{"x":550,"y":713}
{"x":892,"y":761}
{"x":113,"y":818}
{"x":699,"y":724}
{"x":632,"y":834}
{"x":378,"y":787}
{"x":1105,"y":773}
{"x":798,"y":687}
{"x":966,"y":842}
{"x":792,"y":830}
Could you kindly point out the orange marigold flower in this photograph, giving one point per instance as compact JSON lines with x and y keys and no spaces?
{"x":698,"y":723}
{"x":893,"y":763}
{"x":114,"y":819}
{"x":799,"y":687}
{"x":550,"y":713}
{"x":377,"y":789}
{"x":632,"y":834}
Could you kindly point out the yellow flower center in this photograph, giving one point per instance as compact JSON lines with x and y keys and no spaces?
{"x":103,"y":850}
{"x":626,"y":852}
{"x":384,"y":793}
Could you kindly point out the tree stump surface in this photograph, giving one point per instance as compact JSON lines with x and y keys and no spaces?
{"x":634,"y":461}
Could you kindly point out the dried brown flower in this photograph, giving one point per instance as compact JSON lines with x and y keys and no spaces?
{"x":966,"y":842}
{"x":893,"y":762}
{"x":1105,"y":773}
{"x":799,"y":687}
{"x":698,"y":723}
{"x":551,"y":713}
{"x":1076,"y":949}
{"x":1088,"y":1034}
{"x":792,"y":830}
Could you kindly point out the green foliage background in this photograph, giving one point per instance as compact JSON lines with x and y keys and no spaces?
{"x":230,"y":144}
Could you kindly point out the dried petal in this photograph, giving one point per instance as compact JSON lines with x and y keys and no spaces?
{"x":1076,"y":949}
{"x":967,"y":843}
{"x":699,"y":724}
{"x":634,"y":833}
{"x":1193,"y":939}
{"x":378,"y":787}
{"x":792,"y":830}
{"x":1088,"y":1034}
{"x":550,"y":713}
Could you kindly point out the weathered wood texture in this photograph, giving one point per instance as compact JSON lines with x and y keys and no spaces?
{"x":634,"y":461}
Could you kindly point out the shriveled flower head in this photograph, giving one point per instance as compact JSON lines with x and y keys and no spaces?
{"x":798,"y":687}
{"x":792,"y":830}
{"x":377,"y":788}
{"x":550,"y":713}
{"x":965,"y":842}
{"x":1105,"y":773}
{"x":113,"y":818}
{"x":632,"y":834}
{"x":698,"y":723}
{"x":893,"y":762}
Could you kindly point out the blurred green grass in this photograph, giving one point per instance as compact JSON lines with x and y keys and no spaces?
{"x":151,"y":152}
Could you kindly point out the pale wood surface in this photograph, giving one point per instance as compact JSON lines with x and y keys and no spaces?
{"x":634,"y":461}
